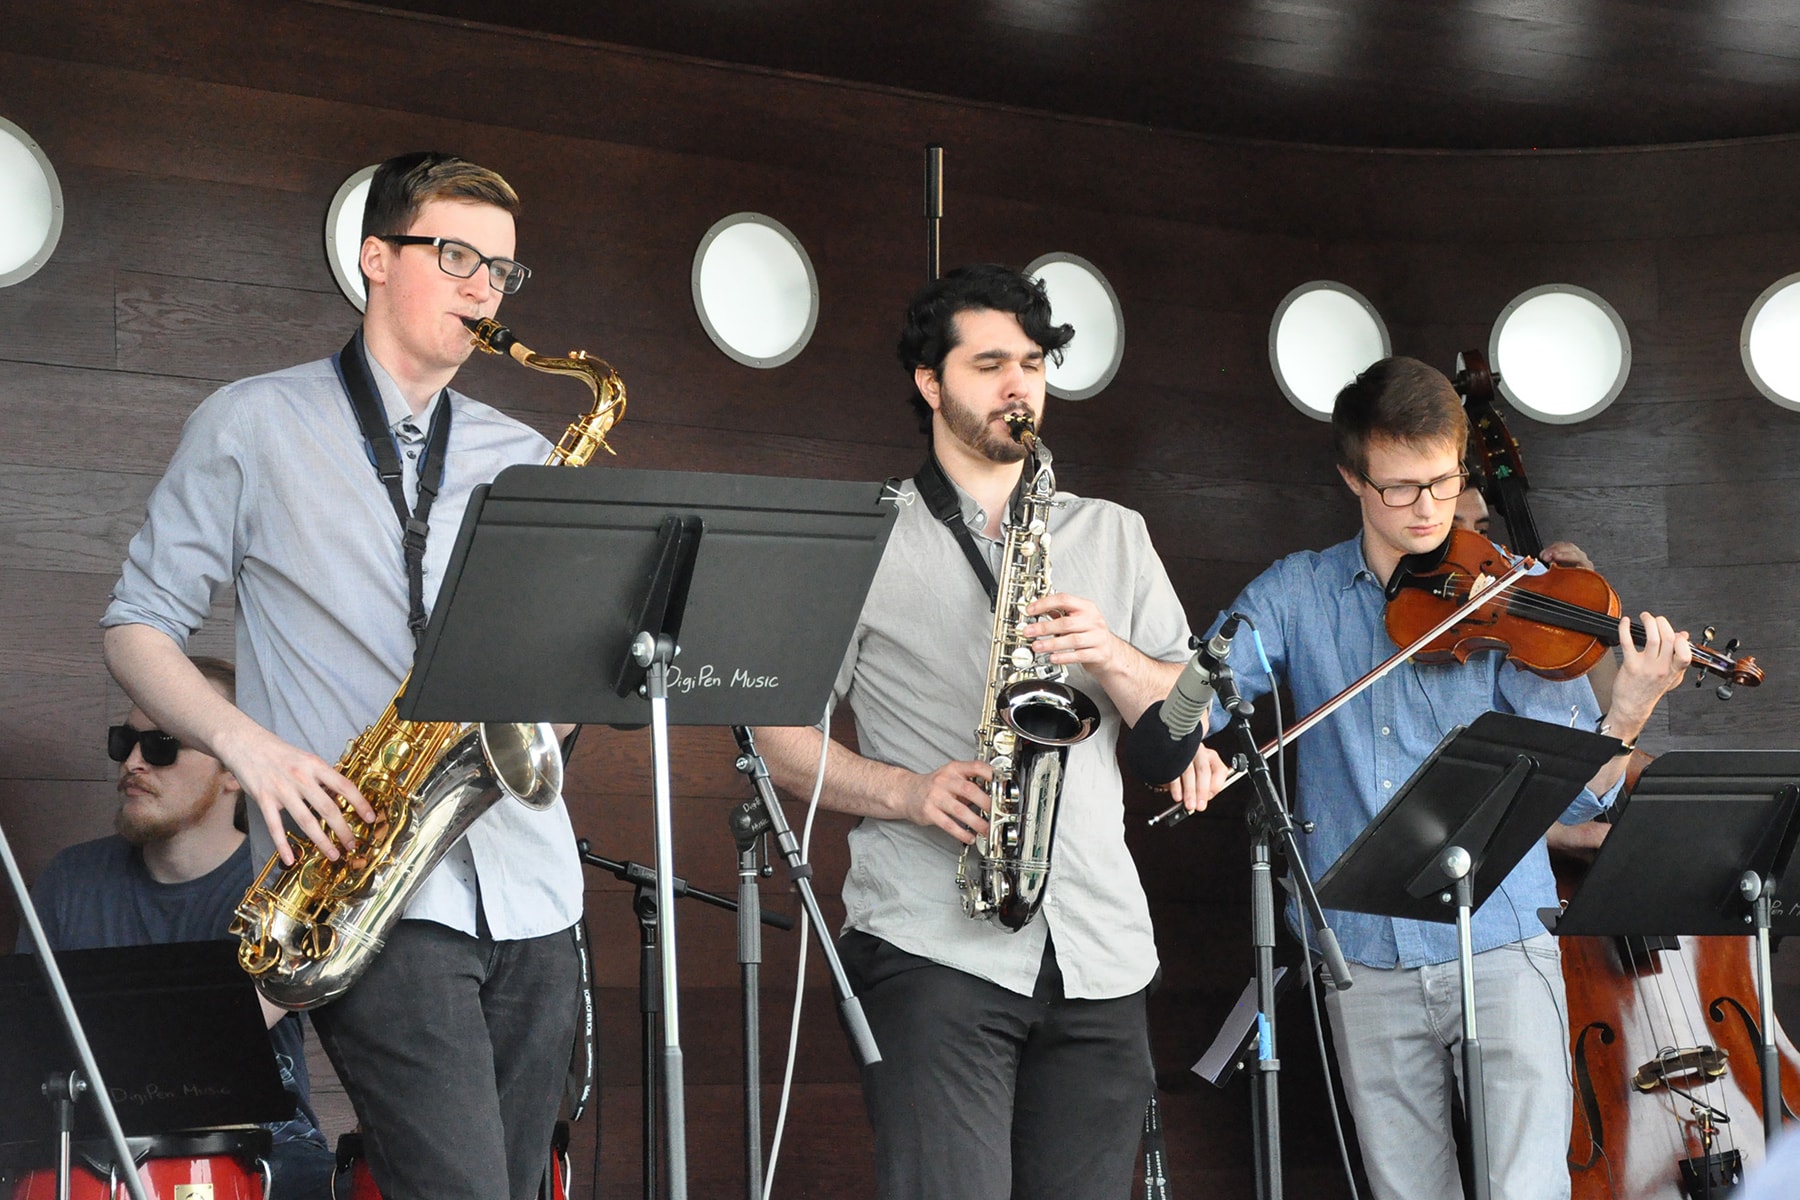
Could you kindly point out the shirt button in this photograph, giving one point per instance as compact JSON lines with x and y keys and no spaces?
{"x":1385,"y":731}
{"x":415,"y":454}
{"x":1387,"y":783}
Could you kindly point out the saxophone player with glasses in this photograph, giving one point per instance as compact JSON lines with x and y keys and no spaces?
{"x":1010,"y":1010}
{"x":453,"y":1043}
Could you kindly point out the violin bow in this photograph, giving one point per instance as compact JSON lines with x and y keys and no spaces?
{"x":1175,"y":814}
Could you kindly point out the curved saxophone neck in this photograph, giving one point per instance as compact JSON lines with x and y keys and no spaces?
{"x":587,"y":434}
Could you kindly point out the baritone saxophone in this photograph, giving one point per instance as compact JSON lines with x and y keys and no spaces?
{"x":1030,"y":718}
{"x":308,"y":931}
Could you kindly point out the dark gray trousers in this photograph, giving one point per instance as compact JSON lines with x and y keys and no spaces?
{"x":983,"y":1093}
{"x":454,"y":1050}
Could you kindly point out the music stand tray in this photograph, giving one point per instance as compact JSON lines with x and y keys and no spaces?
{"x":544,"y":596}
{"x":1671,"y":863}
{"x":1492,"y":788}
{"x":1453,"y":833}
{"x":176,"y":1031}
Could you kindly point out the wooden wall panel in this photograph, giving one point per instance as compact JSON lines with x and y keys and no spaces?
{"x":197,"y":154}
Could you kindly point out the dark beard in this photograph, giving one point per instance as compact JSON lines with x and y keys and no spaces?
{"x":977,"y":432}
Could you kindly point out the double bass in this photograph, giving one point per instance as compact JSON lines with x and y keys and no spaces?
{"x":1663,"y":1032}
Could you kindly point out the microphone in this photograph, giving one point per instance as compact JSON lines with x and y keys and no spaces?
{"x":1166,"y":738}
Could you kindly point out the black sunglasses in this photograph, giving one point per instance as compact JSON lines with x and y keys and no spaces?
{"x":159,"y":749}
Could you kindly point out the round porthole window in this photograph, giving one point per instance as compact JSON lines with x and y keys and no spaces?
{"x":343,"y":236}
{"x":754,"y":290}
{"x":1323,"y":336}
{"x":1770,"y":342}
{"x":31,"y":206}
{"x":1560,"y":352}
{"x":1081,"y":296}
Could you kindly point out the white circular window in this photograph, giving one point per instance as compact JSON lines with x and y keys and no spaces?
{"x":31,"y":205}
{"x":754,"y":290}
{"x":1770,"y":342}
{"x":343,"y":236}
{"x":1081,"y":296}
{"x":1560,"y":353}
{"x":1323,"y":336}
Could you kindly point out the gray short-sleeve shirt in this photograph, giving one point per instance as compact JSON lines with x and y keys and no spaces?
{"x":915,"y":675}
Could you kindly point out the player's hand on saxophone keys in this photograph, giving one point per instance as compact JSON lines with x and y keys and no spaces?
{"x":954,"y":798}
{"x":282,"y":778}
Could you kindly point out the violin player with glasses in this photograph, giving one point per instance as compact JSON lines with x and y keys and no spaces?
{"x":1323,"y":619}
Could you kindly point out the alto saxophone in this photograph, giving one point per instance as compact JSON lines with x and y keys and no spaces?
{"x":308,"y":931}
{"x":1030,"y":719}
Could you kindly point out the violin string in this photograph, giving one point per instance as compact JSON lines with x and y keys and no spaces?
{"x":1568,"y":615}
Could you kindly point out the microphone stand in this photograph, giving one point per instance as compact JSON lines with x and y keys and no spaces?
{"x":800,"y":872}
{"x":748,"y":824}
{"x":643,"y":879}
{"x":1269,"y":820}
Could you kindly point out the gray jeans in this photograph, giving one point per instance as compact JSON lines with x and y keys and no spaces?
{"x":1399,"y":1047}
{"x":454,"y":1050}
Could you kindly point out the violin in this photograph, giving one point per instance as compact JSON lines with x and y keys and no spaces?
{"x":1556,"y":624}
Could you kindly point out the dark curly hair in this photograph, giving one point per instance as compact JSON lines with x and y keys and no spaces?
{"x":930,"y":332}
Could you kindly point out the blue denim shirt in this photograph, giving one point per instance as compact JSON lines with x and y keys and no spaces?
{"x":1320,"y":616}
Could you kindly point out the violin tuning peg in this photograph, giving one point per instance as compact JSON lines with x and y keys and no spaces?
{"x":1723,"y":691}
{"x":1731,"y":647}
{"x":1706,"y":635}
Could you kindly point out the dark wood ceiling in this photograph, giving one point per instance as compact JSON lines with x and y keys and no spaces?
{"x":1453,"y":74}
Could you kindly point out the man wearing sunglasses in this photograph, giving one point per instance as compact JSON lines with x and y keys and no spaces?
{"x":174,"y":872}
{"x":328,"y":496}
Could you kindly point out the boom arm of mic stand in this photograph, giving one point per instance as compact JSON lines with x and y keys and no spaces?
{"x":800,"y":871}
{"x":638,"y":875}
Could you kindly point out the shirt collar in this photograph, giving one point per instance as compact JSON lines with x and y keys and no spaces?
{"x":973,"y":515}
{"x":393,"y":404}
{"x":1349,"y":565}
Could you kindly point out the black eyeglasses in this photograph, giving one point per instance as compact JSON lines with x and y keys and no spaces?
{"x":1404,"y":495}
{"x":159,"y":749}
{"x":463,"y":260}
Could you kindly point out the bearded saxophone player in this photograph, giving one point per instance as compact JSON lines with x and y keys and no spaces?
{"x":1015,"y":1061}
{"x":453,"y":1042}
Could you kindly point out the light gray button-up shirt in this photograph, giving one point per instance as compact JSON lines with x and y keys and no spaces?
{"x":915,"y":675}
{"x":272,"y":489}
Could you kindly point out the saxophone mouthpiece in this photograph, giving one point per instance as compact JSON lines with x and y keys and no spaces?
{"x":491,"y":335}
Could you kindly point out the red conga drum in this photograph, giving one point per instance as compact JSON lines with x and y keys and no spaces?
{"x":217,"y":1164}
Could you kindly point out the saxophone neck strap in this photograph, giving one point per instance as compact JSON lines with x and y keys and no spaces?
{"x":384,"y":454}
{"x":940,"y":499}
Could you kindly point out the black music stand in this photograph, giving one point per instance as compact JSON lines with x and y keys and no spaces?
{"x":1452,"y":834}
{"x":176,"y":1028}
{"x":571,"y":593}
{"x":1730,"y":819}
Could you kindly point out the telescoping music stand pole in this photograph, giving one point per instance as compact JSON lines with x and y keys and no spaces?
{"x":570,"y":595}
{"x":1730,"y":819}
{"x":1452,"y":834}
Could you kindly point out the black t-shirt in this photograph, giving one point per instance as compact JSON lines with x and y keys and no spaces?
{"x":100,"y":894}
